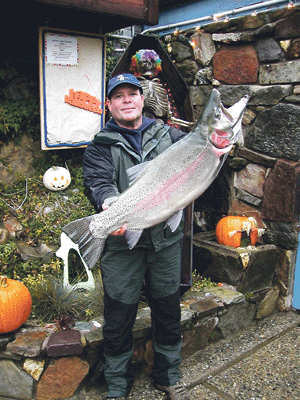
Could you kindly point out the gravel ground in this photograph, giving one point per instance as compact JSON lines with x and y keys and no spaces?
{"x":273,"y":372}
{"x":260,"y":363}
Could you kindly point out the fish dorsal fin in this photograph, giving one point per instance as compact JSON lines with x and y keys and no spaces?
{"x":132,"y":237}
{"x":135,"y":171}
{"x":174,"y":221}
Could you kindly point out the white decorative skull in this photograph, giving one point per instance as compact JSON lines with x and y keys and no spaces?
{"x":57,"y":178}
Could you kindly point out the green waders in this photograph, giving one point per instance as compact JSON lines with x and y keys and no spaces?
{"x":123,"y":274}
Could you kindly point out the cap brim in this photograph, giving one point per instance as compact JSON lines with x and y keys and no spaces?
{"x":123,"y":83}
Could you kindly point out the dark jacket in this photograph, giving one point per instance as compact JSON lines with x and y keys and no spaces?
{"x":111,"y":153}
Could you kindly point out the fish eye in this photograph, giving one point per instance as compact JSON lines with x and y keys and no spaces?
{"x":217,"y":114}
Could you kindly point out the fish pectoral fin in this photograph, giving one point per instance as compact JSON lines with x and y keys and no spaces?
{"x":132,"y":237}
{"x":174,"y":221}
{"x":135,"y":171}
{"x":110,"y":200}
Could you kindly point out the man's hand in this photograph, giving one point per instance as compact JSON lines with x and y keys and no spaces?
{"x":119,"y":232}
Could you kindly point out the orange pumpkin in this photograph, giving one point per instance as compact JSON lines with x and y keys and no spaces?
{"x":15,"y":304}
{"x":230,"y":229}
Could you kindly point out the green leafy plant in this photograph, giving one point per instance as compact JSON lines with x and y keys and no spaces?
{"x":41,"y":212}
{"x":7,"y":253}
{"x":200,"y":282}
{"x":17,"y":116}
{"x":52,"y":301}
{"x":111,"y":59}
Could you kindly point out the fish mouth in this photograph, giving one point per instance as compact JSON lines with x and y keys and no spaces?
{"x":221,"y":139}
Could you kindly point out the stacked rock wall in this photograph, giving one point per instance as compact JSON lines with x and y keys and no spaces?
{"x":257,"y":55}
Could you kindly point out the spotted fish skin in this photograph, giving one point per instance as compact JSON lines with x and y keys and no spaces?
{"x":167,"y":184}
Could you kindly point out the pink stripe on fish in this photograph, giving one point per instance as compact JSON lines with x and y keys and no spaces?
{"x":165,"y":190}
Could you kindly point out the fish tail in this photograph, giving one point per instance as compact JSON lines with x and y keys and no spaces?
{"x":90,"y":247}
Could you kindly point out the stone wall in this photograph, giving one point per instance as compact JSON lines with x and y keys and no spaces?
{"x":256,"y":55}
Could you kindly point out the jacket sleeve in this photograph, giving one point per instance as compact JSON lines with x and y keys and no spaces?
{"x":98,"y":172}
{"x":176,"y":134}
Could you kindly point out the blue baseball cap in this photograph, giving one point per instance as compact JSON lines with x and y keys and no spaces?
{"x":121,"y":80}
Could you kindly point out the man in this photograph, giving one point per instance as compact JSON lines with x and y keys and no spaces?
{"x":128,"y":139}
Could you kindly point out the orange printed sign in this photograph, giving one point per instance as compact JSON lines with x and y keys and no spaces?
{"x":84,"y":100}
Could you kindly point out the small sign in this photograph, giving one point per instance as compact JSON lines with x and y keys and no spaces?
{"x":61,"y":49}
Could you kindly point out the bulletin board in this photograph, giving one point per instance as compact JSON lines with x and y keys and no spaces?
{"x":72,"y":87}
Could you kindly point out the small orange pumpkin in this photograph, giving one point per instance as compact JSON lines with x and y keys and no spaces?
{"x":15,"y":304}
{"x":230,"y":229}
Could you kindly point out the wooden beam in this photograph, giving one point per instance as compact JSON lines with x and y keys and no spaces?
{"x":145,"y":11}
{"x":152,"y":12}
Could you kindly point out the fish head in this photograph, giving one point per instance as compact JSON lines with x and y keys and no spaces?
{"x":224,"y":125}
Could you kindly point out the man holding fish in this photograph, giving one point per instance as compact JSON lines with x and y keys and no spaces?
{"x":129,"y":139}
{"x":140,"y":175}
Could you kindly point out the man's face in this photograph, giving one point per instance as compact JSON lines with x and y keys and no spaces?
{"x":126,"y":106}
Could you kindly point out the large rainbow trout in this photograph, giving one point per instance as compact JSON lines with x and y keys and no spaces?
{"x":163,"y":187}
